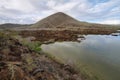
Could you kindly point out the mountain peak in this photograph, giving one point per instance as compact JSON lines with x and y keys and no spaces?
{"x":59,"y":13}
{"x":55,"y":20}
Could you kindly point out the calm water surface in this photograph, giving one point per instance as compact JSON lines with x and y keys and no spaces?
{"x":97,"y":55}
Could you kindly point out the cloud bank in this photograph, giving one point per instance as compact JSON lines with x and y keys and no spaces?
{"x":31,"y":11}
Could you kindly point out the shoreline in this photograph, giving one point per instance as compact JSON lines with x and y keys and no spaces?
{"x":18,"y":61}
{"x":54,"y":35}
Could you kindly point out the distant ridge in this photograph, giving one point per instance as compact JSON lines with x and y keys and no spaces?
{"x":11,"y":25}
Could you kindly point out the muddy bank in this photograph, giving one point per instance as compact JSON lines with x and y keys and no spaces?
{"x":61,"y":35}
{"x":49,"y":35}
{"x":18,"y":62}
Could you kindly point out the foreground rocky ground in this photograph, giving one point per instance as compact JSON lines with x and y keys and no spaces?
{"x":18,"y":62}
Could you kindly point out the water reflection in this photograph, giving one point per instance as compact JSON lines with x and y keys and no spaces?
{"x":99,"y":54}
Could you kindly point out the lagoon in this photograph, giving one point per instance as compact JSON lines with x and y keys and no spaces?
{"x":97,"y":56}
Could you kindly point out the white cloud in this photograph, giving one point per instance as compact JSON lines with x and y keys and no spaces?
{"x":20,"y":5}
{"x":30,"y":11}
{"x":110,"y":22}
{"x":100,"y":7}
{"x":63,"y":7}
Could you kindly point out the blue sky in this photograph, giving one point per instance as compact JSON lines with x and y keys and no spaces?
{"x":31,"y":11}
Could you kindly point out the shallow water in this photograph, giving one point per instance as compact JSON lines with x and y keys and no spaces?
{"x":97,"y":55}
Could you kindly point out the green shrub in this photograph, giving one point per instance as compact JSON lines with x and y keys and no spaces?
{"x":33,"y":45}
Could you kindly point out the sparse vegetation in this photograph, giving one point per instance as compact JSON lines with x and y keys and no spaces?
{"x":11,"y":71}
{"x":30,"y":65}
{"x":35,"y":46}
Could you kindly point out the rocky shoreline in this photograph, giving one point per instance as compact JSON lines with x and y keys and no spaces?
{"x":18,"y":62}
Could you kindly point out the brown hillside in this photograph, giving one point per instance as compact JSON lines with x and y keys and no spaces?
{"x":57,"y":20}
{"x":62,"y":20}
